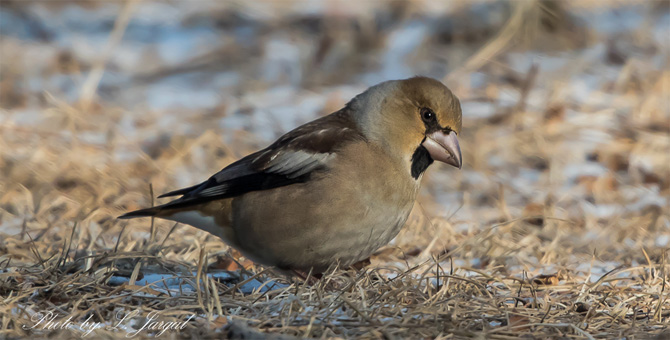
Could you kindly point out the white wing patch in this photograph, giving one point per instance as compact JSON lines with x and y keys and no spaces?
{"x":295,"y":163}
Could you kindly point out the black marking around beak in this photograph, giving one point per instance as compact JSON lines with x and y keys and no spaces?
{"x":421,"y":160}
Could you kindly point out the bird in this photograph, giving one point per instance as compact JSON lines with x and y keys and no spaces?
{"x":334,"y":190}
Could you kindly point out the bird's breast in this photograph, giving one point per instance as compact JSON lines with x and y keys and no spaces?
{"x":342,"y":214}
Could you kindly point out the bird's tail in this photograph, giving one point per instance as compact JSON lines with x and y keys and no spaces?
{"x":148,"y":212}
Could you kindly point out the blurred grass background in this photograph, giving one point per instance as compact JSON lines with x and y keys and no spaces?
{"x":566,"y":149}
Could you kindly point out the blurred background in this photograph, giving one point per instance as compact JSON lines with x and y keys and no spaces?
{"x":566,"y":115}
{"x":566,"y":149}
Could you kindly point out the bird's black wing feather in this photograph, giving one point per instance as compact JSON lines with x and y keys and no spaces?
{"x":292,"y":159}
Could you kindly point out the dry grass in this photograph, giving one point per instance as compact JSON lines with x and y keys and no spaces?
{"x":557,"y":227}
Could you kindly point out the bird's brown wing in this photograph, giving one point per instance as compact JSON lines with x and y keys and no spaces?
{"x":293,"y":158}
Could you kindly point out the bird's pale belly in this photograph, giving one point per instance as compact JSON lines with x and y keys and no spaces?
{"x":318,"y":234}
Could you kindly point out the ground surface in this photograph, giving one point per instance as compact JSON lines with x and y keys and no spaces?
{"x":557,"y":227}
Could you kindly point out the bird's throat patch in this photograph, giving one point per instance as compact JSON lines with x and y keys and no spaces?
{"x":421,"y":160}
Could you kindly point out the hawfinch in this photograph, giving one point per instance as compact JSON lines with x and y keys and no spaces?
{"x":333,"y":190}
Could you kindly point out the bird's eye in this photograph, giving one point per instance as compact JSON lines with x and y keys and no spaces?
{"x":427,"y":115}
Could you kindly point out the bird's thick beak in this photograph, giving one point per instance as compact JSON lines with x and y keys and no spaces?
{"x":444,"y":147}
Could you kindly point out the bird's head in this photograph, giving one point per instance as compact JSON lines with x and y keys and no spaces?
{"x":417,"y":119}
